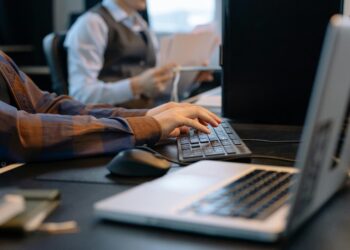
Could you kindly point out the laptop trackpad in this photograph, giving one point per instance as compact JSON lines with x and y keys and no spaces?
{"x":187,"y":183}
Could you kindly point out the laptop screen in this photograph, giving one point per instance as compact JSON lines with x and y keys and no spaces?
{"x":324,"y":131}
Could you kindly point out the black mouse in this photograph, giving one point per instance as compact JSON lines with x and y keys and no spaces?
{"x":138,"y":163}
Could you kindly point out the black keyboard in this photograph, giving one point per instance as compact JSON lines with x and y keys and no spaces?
{"x":223,"y":143}
{"x":254,"y":196}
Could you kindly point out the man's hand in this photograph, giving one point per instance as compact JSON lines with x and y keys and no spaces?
{"x":162,"y":108}
{"x":205,"y":76}
{"x":174,"y":118}
{"x":152,"y":82}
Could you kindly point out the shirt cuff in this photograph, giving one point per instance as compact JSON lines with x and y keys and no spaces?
{"x":128,"y":88}
{"x":122,"y":112}
{"x":122,"y":91}
{"x":145,"y":129}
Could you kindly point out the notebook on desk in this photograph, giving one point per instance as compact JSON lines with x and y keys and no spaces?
{"x":250,"y":201}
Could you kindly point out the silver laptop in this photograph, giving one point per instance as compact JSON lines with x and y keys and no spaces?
{"x":253,"y":201}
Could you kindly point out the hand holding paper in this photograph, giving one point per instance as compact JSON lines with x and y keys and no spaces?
{"x":188,"y":51}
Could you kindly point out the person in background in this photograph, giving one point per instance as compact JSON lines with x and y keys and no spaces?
{"x":39,"y":126}
{"x":112,"y":55}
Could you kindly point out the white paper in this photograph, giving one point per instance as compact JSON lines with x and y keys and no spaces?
{"x":191,"y":49}
{"x":209,"y":101}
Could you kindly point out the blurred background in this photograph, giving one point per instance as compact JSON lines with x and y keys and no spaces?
{"x":24,"y":24}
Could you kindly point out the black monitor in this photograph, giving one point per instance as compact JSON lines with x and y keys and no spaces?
{"x":270,"y":54}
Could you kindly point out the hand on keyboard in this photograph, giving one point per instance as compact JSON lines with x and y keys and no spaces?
{"x":222,"y":143}
{"x":172,"y":117}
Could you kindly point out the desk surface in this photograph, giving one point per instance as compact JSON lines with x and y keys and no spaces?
{"x":330,"y":229}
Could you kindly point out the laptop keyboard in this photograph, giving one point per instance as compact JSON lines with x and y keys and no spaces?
{"x":222,"y":143}
{"x":254,"y":196}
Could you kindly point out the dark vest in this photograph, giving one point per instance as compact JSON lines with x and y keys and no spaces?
{"x":127,"y":53}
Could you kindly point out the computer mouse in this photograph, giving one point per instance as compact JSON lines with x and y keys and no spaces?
{"x":138,"y":163}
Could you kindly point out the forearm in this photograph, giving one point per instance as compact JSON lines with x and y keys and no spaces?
{"x":86,"y":87}
{"x":52,"y":104}
{"x":40,"y":137}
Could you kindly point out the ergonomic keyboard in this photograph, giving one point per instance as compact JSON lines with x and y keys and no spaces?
{"x":253,"y":196}
{"x":222,"y":143}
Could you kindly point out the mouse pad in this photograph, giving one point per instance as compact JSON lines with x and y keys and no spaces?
{"x":98,"y":174}
{"x":93,"y":174}
{"x":93,"y":170}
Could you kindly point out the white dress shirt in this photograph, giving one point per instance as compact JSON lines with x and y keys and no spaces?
{"x":86,"y":43}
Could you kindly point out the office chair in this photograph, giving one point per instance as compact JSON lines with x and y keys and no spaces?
{"x":56,"y":56}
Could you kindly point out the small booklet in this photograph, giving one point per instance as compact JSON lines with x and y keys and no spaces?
{"x":10,"y":205}
{"x":38,"y":205}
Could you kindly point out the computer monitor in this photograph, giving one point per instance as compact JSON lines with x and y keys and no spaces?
{"x":270,"y":55}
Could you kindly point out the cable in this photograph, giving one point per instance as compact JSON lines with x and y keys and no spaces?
{"x":186,"y":164}
{"x":175,"y":91}
{"x":336,"y":160}
{"x":272,"y":141}
{"x":272,"y":158}
{"x":162,"y":156}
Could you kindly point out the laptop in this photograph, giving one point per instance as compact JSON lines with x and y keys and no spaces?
{"x":257,"y":202}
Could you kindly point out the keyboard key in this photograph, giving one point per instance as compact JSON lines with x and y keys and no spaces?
{"x":219,"y":130}
{"x":220,"y":137}
{"x":223,"y":212}
{"x":230,"y":149}
{"x":206,"y":145}
{"x":229,"y":130}
{"x":184,"y":140}
{"x":192,"y":132}
{"x":203,"y":138}
{"x":197,"y":152}
{"x":194,"y":140}
{"x":215,"y":144}
{"x":213,"y":152}
{"x":226,"y":142}
{"x":225,"y":125}
{"x":209,"y":151}
{"x":192,"y":153}
{"x":253,"y":196}
{"x":233,"y":136}
{"x":186,"y":152}
{"x":195,"y":145}
{"x":213,"y":137}
{"x":206,"y":209}
{"x":219,"y":149}
{"x":237,"y":142}
{"x":223,"y":137}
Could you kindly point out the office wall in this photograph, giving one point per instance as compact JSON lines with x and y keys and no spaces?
{"x":347,"y":7}
{"x":23,"y":24}
{"x":63,"y":10}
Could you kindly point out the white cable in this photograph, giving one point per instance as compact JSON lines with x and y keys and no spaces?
{"x":175,"y":91}
{"x":272,"y":141}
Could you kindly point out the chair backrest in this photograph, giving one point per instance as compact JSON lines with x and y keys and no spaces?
{"x":56,"y":56}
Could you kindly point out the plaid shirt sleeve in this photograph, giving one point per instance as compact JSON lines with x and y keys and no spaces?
{"x":59,"y":127}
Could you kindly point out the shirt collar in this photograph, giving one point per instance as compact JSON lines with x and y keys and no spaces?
{"x":117,"y":12}
{"x":133,"y":21}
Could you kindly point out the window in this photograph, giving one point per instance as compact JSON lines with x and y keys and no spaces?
{"x":179,"y":15}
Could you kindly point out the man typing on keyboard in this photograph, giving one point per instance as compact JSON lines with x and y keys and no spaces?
{"x":39,"y":126}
